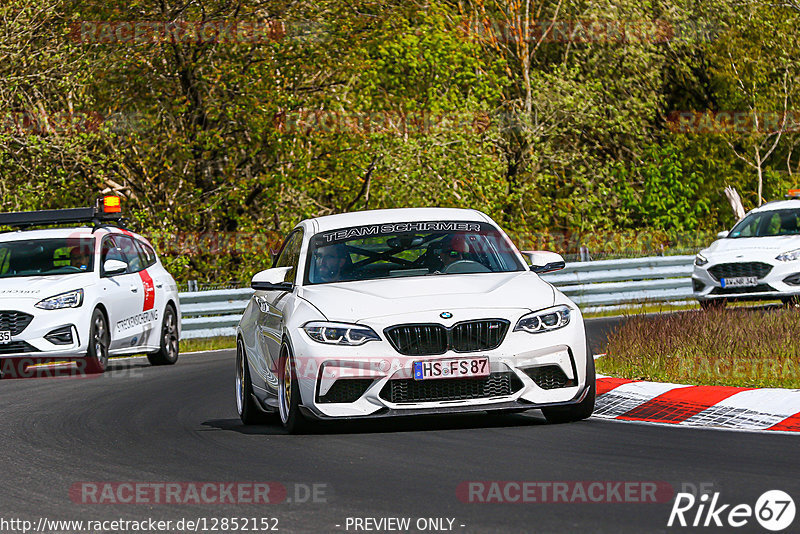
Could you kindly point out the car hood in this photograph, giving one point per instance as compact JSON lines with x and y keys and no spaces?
{"x":42,"y":287}
{"x":751,"y":247}
{"x":361,"y":300}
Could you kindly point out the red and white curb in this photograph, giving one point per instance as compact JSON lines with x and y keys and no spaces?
{"x":698,"y":406}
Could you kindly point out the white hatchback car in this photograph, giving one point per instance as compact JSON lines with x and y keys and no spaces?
{"x":759,"y":259}
{"x":82,"y":293}
{"x":405,"y":312}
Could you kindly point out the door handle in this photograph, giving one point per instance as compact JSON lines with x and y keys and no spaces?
{"x":263,"y":305}
{"x":159,"y":285}
{"x":134,"y":289}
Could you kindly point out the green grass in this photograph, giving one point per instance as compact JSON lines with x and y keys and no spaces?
{"x":751,"y":347}
{"x":641,"y":309}
{"x":663,"y":307}
{"x":212,"y":343}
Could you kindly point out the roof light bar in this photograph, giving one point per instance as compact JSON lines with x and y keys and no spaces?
{"x":108,"y":210}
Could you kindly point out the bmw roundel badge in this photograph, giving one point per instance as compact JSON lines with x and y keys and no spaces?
{"x":446,"y":315}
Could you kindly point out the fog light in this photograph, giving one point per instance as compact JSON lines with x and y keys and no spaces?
{"x":697,"y":285}
{"x":60,"y":336}
{"x":792,"y":279}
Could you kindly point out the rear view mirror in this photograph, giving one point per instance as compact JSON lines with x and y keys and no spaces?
{"x":272,"y":280}
{"x":723,"y":234}
{"x":544,"y":262}
{"x":112,"y":267}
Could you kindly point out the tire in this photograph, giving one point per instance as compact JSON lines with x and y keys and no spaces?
{"x":716,"y":304}
{"x":99,"y":340}
{"x":249,"y":412}
{"x":289,"y":394}
{"x":582,"y":410}
{"x":168,"y":353}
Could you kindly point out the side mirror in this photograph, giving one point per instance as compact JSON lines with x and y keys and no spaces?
{"x":112,"y":267}
{"x":723,"y":234}
{"x":272,"y":280}
{"x":544,"y":262}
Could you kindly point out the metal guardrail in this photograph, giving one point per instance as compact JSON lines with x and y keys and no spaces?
{"x":212,"y":313}
{"x":216,"y":313}
{"x":630,"y":281}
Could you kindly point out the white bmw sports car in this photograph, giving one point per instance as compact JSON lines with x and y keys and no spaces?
{"x":409,"y":311}
{"x":759,"y":259}
{"x":82,"y":293}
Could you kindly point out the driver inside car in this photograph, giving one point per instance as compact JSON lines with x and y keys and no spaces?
{"x":80,"y":258}
{"x":330,"y":263}
{"x":448,"y":251}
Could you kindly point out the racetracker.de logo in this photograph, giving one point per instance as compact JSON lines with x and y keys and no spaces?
{"x":178,"y":493}
{"x":567,"y":491}
{"x":42,"y":122}
{"x":575,"y":31}
{"x":147,"y":31}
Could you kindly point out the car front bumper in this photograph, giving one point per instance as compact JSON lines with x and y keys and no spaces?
{"x":32,"y":340}
{"x":527,"y":371}
{"x":774,"y":285}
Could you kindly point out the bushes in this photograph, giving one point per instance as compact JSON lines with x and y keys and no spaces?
{"x":733,"y":347}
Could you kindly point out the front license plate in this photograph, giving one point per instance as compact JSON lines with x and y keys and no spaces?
{"x":455,"y":368}
{"x":741,"y":281}
{"x":5,"y":337}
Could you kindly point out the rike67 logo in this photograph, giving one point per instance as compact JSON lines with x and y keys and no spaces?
{"x":774,"y":510}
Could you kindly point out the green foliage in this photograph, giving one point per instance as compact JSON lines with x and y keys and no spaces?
{"x":381,"y":104}
{"x":734,"y":347}
{"x":655,"y":192}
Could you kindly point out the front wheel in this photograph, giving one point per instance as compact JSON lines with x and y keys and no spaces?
{"x":99,"y":340}
{"x":168,"y":352}
{"x":576,"y":412}
{"x":289,"y":394}
{"x":249,"y":412}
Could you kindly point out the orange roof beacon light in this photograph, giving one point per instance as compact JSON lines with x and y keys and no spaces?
{"x":112,"y":204}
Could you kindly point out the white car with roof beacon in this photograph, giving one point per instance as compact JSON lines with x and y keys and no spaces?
{"x":83,"y":292}
{"x":409,"y":311}
{"x":759,"y":259}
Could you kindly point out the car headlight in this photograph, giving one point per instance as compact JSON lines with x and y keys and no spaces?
{"x":340,"y":333}
{"x":700,"y":260}
{"x":544,"y":320}
{"x":71,"y":299}
{"x":792,"y":255}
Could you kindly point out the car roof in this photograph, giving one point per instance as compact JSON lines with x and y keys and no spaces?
{"x":384,"y":216}
{"x":72,"y":232}
{"x":778,"y":205}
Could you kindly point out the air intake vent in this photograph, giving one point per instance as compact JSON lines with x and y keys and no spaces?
{"x":450,"y":389}
{"x":17,"y":347}
{"x":14,"y":321}
{"x":433,"y":339}
{"x":549,"y":377}
{"x":735,"y":270}
{"x":346,"y":390}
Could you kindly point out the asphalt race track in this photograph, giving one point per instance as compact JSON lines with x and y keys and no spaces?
{"x":178,"y":424}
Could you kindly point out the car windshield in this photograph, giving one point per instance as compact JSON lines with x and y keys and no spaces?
{"x":768,"y":224}
{"x":409,"y":249}
{"x":45,"y":257}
